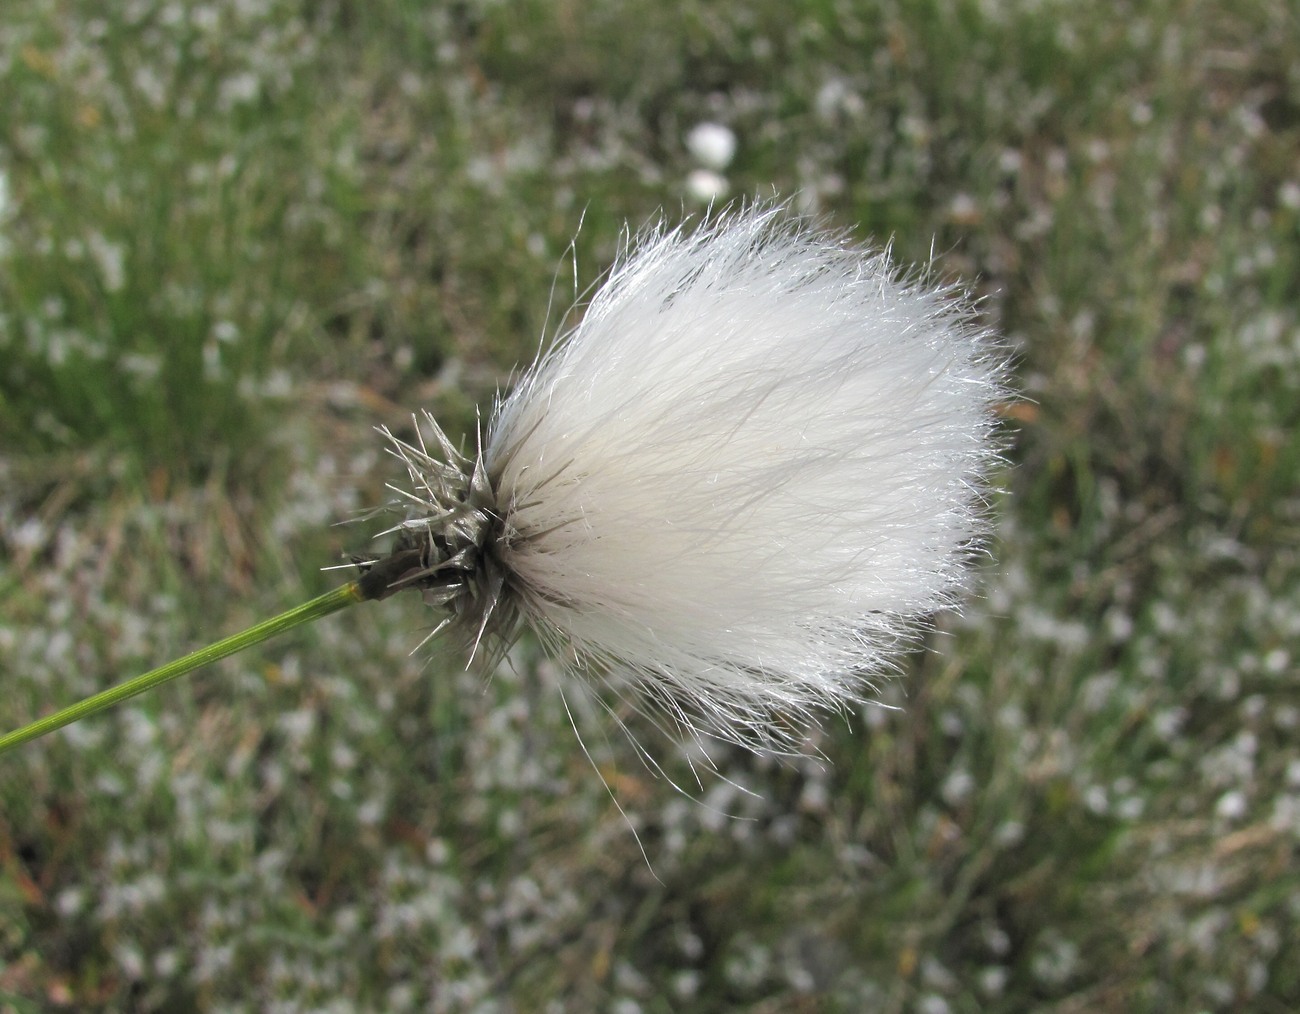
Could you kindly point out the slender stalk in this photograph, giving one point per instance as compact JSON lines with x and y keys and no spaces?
{"x":323,"y":605}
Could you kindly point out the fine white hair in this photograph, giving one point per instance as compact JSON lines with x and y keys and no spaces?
{"x":749,"y":474}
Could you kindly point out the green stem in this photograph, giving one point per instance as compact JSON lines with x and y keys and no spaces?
{"x":330,"y":602}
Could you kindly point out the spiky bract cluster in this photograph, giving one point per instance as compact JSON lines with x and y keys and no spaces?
{"x":446,"y":546}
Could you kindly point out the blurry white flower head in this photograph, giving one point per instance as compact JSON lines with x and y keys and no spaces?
{"x":736,"y":488}
{"x":706,"y":186}
{"x":712,"y":144}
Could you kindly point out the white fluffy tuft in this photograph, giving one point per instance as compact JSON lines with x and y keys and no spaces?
{"x":749,"y":473}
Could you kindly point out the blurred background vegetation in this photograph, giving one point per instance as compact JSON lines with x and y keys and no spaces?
{"x":237,"y":235}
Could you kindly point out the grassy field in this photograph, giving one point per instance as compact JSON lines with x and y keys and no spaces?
{"x":235,"y":236}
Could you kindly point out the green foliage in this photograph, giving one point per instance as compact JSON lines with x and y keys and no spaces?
{"x":168,"y":237}
{"x":236,"y":235}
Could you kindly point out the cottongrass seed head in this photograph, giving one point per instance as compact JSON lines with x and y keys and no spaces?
{"x":736,"y":489}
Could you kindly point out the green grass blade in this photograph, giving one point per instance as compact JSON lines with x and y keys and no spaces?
{"x":308,"y":612}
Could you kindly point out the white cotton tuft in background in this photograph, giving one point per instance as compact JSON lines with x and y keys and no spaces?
{"x":712,"y":144}
{"x":750,"y":473}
